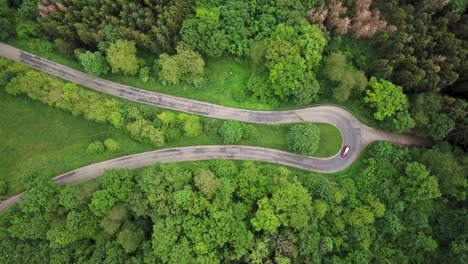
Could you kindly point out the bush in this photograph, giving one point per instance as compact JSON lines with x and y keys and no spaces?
{"x":185,"y":66}
{"x":249,"y":131}
{"x":145,"y":74}
{"x":40,"y":45}
{"x":78,"y":52}
{"x":231,"y":132}
{"x":304,"y":138}
{"x":168,"y":119}
{"x":172,"y":134}
{"x":94,"y":63}
{"x":192,"y":126}
{"x":3,"y":188}
{"x":64,"y":47}
{"x":95,"y":148}
{"x":238,"y":94}
{"x":111,"y":145}
{"x":211,"y":127}
{"x":27,"y":29}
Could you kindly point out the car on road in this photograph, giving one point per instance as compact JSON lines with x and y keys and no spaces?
{"x":345,"y":151}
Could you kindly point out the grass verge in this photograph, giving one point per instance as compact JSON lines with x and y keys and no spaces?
{"x":36,"y":136}
{"x":353,"y":170}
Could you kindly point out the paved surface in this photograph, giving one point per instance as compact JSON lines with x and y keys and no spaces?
{"x":355,"y":134}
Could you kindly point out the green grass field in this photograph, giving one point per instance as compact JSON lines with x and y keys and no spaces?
{"x":36,"y":136}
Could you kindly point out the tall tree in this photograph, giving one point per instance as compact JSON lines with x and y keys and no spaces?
{"x":121,"y":57}
{"x":386,"y":97}
{"x":6,"y":21}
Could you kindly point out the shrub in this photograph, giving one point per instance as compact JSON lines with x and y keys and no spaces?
{"x":192,"y":126}
{"x":211,"y":127}
{"x":64,"y":47}
{"x":238,"y":94}
{"x":3,"y":188}
{"x":111,"y":145}
{"x":94,"y":63}
{"x":78,"y":52}
{"x":231,"y":132}
{"x":168,"y":119}
{"x":40,"y":45}
{"x":95,"y":148}
{"x":171,"y":134}
{"x":249,"y":131}
{"x":304,"y":138}
{"x":145,"y":74}
{"x":185,"y":66}
{"x":27,"y":29}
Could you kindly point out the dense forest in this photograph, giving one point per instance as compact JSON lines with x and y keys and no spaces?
{"x":405,"y":62}
{"x":301,"y":52}
{"x":402,"y":206}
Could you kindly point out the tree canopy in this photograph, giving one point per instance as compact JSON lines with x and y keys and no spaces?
{"x":304,"y":138}
{"x":121,"y":57}
{"x":94,"y":63}
{"x":386,"y":97}
{"x":218,"y":211}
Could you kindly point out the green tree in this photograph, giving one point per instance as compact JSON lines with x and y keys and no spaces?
{"x":121,"y":57}
{"x":94,"y":63}
{"x":130,"y":237}
{"x":6,"y":21}
{"x":453,"y":177}
{"x":440,"y":126}
{"x":231,"y":132}
{"x":249,"y":131}
{"x":202,"y":32}
{"x":291,"y":56}
{"x":386,"y":97}
{"x":95,"y":148}
{"x":101,"y":203}
{"x":419,"y":185}
{"x":145,"y":74}
{"x":114,"y":218}
{"x":265,"y":218}
{"x":111,"y":144}
{"x":118,"y":182}
{"x":400,"y":122}
{"x":308,"y":92}
{"x":206,"y":182}
{"x":345,"y":77}
{"x":168,"y":119}
{"x":185,"y":66}
{"x":28,"y":10}
{"x":304,"y":138}
{"x":27,"y":29}
{"x":192,"y":126}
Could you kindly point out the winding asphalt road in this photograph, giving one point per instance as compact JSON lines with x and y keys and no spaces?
{"x":355,"y":134}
